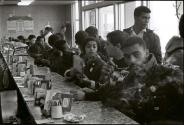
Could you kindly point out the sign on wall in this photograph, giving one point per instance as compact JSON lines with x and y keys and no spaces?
{"x":28,"y":25}
{"x":11,"y":25}
{"x":20,"y":23}
{"x":20,"y":26}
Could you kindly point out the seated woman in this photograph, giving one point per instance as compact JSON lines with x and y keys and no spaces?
{"x":115,"y":40}
{"x":80,"y":37}
{"x":65,"y":60}
{"x":87,"y":73}
{"x":59,"y":58}
{"x":50,"y":54}
{"x":37,"y":50}
{"x":31,"y":40}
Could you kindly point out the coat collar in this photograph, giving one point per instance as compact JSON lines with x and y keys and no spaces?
{"x":151,"y":61}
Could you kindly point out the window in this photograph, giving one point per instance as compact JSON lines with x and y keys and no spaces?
{"x":106,"y":20}
{"x":165,"y":24}
{"x":84,"y":3}
{"x":98,"y":1}
{"x":138,"y":3}
{"x":107,"y":16}
{"x":89,"y":18}
{"x":76,"y":16}
{"x":75,"y":20}
{"x":121,"y":17}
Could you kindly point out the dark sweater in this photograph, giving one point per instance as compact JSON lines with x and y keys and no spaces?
{"x":152,"y":93}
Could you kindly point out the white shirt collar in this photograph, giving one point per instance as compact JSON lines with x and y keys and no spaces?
{"x":144,"y":30}
{"x":140,"y":34}
{"x":48,"y":34}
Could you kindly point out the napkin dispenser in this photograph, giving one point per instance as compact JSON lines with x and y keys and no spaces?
{"x":56,"y":109}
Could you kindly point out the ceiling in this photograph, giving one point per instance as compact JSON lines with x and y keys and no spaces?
{"x":38,"y":2}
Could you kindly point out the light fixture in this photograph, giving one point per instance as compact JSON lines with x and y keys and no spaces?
{"x":25,"y":2}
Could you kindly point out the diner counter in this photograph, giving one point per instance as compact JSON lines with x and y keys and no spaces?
{"x":95,"y":111}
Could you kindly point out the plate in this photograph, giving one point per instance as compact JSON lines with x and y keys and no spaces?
{"x":74,"y":118}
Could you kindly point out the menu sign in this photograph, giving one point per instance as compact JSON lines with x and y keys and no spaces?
{"x":11,"y":25}
{"x":28,"y":25}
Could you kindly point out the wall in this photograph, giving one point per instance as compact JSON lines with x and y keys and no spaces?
{"x":0,"y":23}
{"x":55,"y":15}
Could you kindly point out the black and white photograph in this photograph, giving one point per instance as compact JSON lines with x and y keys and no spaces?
{"x":107,"y":61}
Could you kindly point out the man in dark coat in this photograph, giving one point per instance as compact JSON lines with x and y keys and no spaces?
{"x":175,"y":48}
{"x":141,"y":18}
{"x":151,"y":92}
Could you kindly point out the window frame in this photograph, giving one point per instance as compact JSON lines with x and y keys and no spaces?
{"x":101,"y":4}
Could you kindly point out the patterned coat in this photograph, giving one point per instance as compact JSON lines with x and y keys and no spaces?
{"x":148,"y":94}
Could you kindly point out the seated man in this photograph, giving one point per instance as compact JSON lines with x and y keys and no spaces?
{"x":37,"y":49}
{"x":60,"y":57}
{"x":31,"y":40}
{"x":51,"y":54}
{"x":175,"y":48}
{"x":174,"y":52}
{"x":115,"y":39}
{"x":150,"y":91}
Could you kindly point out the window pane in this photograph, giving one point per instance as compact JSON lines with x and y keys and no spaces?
{"x":89,"y":18}
{"x":138,"y":3}
{"x":165,"y":20}
{"x":77,"y":10}
{"x":121,"y":17}
{"x":106,"y":20}
{"x":83,"y":3}
{"x":77,"y":26}
{"x":99,"y":1}
{"x":89,"y":2}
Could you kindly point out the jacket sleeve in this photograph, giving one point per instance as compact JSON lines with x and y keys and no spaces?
{"x":157,"y":48}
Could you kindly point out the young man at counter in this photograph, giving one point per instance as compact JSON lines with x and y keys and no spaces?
{"x":140,"y":29}
{"x":150,"y":92}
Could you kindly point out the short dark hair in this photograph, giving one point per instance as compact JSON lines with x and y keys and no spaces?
{"x":88,"y":39}
{"x":141,"y":9}
{"x":30,"y":37}
{"x":20,"y":37}
{"x":60,"y":36}
{"x":132,"y":41}
{"x":60,"y":44}
{"x":49,"y":29}
{"x":116,"y":37}
{"x":174,"y":44}
{"x":53,"y":38}
{"x":80,"y":37}
{"x":181,"y":30}
{"x":92,"y":31}
{"x":39,"y":38}
{"x":63,"y":26}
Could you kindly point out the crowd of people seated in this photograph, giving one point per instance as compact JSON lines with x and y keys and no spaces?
{"x":125,"y":71}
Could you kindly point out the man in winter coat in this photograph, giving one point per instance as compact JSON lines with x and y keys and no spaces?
{"x":141,"y":18}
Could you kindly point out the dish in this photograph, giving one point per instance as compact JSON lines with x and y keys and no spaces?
{"x":74,"y":118}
